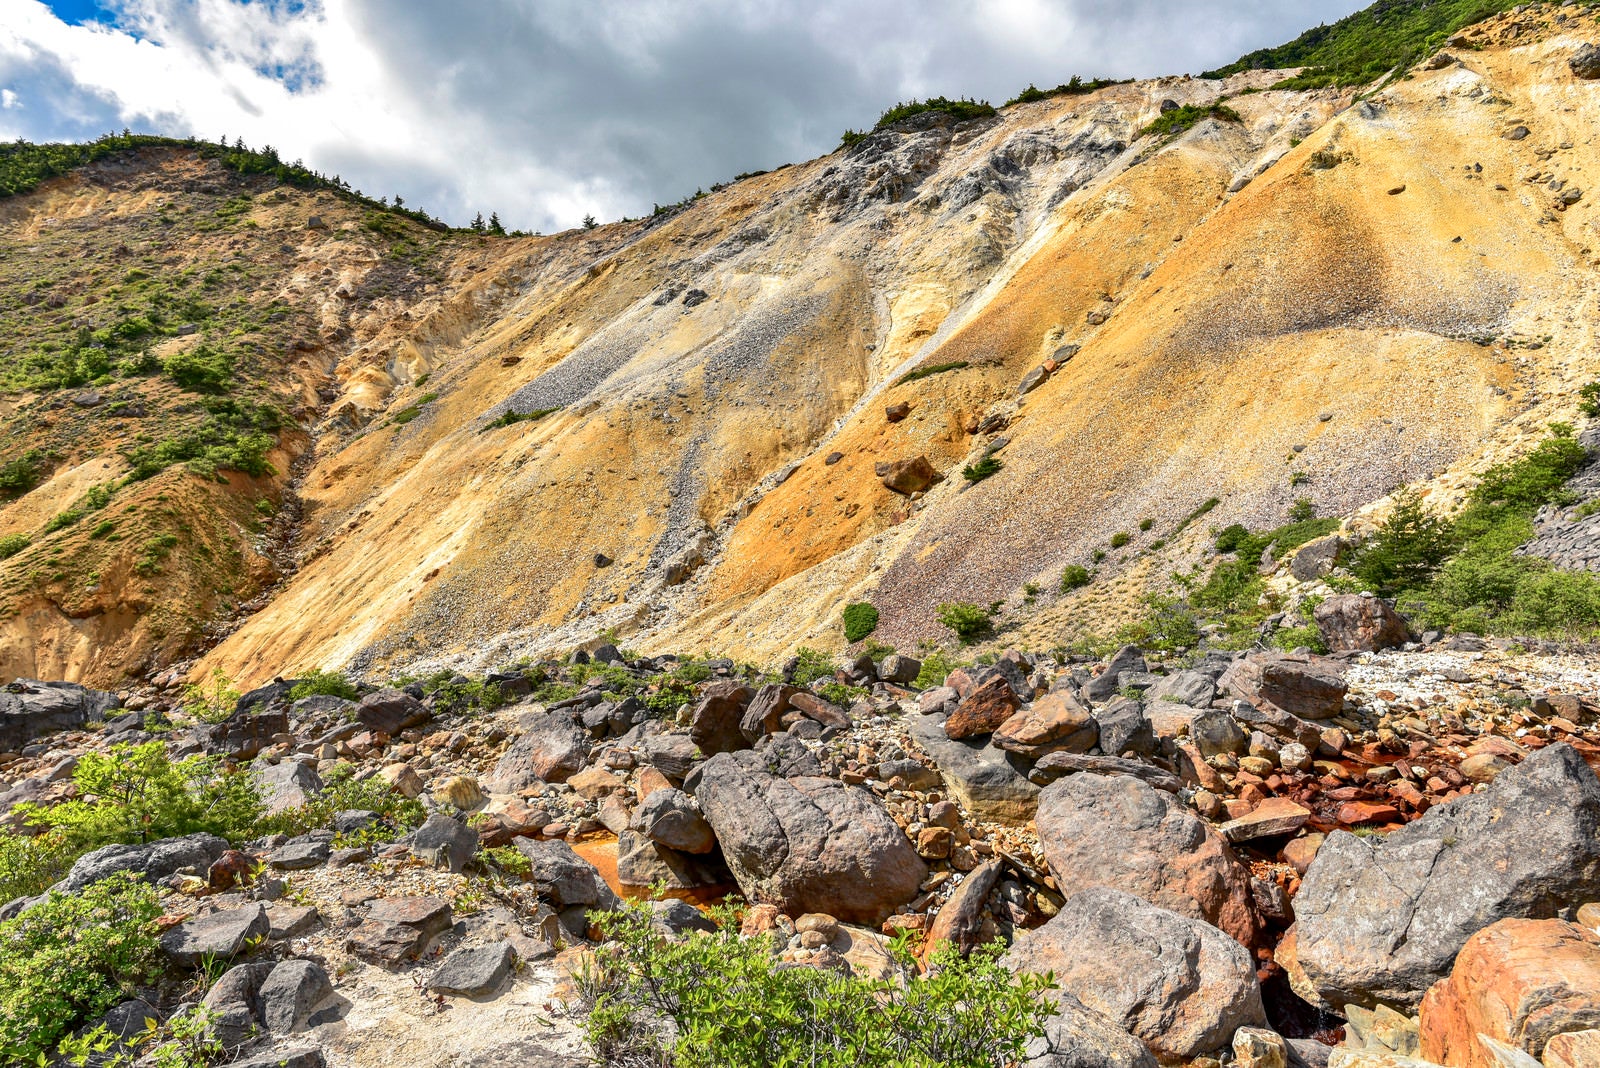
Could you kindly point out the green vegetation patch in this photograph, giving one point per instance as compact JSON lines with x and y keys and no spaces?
{"x":512,"y":418}
{"x":981,"y":470}
{"x":1174,"y":122}
{"x":860,"y":620}
{"x":969,"y":621}
{"x":960,"y":110}
{"x":1363,"y":47}
{"x":930,"y":370}
{"x":1075,"y":86}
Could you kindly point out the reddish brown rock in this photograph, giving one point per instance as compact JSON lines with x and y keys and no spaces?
{"x":985,"y":708}
{"x":1300,"y":852}
{"x":1359,"y":622}
{"x":896,"y":412}
{"x":1273,"y":817}
{"x":1056,"y":722}
{"x":1307,"y":686}
{"x":714,"y":722}
{"x":1521,"y":982}
{"x":909,"y":476}
{"x":824,"y":712}
{"x":1354,"y":813}
{"x":960,"y":919}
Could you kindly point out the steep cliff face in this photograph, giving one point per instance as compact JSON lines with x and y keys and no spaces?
{"x":1328,"y":297}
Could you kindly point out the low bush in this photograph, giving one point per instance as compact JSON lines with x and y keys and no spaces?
{"x":860,"y":620}
{"x":12,"y":544}
{"x":200,"y":370}
{"x":1120,"y":538}
{"x":69,"y":959}
{"x":19,"y":475}
{"x":930,"y":370}
{"x":1589,"y":400}
{"x":969,"y":621}
{"x":323,"y":683}
{"x":981,"y":470}
{"x":213,"y":700}
{"x":1174,"y":122}
{"x":342,"y":791}
{"x":716,"y":999}
{"x":1075,"y":86}
{"x":811,"y":665}
{"x":936,"y":664}
{"x":1073,"y":577}
{"x":512,"y":418}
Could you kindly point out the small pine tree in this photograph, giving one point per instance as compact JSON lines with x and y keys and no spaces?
{"x":589,"y":223}
{"x":1406,"y":549}
{"x":495,"y":226}
{"x":478,"y":223}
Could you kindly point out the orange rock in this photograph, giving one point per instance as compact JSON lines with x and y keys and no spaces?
{"x":1352,"y":813}
{"x":1521,"y":982}
{"x":984,"y":709}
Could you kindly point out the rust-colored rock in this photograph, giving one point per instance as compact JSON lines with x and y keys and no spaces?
{"x":1056,"y":722}
{"x":896,"y":412}
{"x":909,"y":476}
{"x":1356,"y":813}
{"x":960,"y":919}
{"x":1311,"y":687}
{"x":1521,"y":982}
{"x":985,"y":708}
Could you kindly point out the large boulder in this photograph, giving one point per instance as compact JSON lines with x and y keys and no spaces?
{"x":244,"y":734}
{"x":1585,"y":62}
{"x":1105,"y":685}
{"x":808,"y":844}
{"x":284,"y":786}
{"x":1114,"y":830}
{"x":215,"y":935}
{"x":989,"y":782}
{"x":985,"y":708}
{"x":714,"y":722}
{"x":398,"y":929}
{"x":1056,"y":722}
{"x":1076,"y":1036}
{"x":152,"y":860}
{"x":391,"y":711}
{"x":29,"y":708}
{"x":1359,"y":623}
{"x":565,"y":878}
{"x":1311,"y":687}
{"x":764,"y":714}
{"x":671,"y":818}
{"x":1178,"y":984}
{"x":551,"y":748}
{"x":1380,"y":919}
{"x":908,"y":476}
{"x":1521,"y":982}
{"x":960,"y":918}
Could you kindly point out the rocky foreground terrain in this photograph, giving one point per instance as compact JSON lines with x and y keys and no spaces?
{"x":1380,"y":858}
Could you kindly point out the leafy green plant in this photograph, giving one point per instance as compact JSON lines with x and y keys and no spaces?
{"x":969,"y":621}
{"x":323,"y":683}
{"x":12,"y":544}
{"x":860,"y":620}
{"x":152,"y":552}
{"x":1120,"y":538}
{"x":30,"y":863}
{"x":135,"y":793}
{"x":19,"y":475}
{"x":72,"y":957}
{"x":212,"y":701}
{"x":1407,"y":547}
{"x":395,"y":813}
{"x":62,"y":520}
{"x":982,"y":469}
{"x":1074,"y":86}
{"x":715,"y":999}
{"x":936,"y":664}
{"x":1589,"y":400}
{"x":200,"y":370}
{"x":1172,"y":123}
{"x":811,"y":666}
{"x":1302,"y":510}
{"x":512,"y":418}
{"x":1073,"y":577}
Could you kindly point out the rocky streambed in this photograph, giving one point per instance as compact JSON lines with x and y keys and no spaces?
{"x":1261,"y":858}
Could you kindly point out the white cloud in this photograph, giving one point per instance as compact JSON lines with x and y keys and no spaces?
{"x":548,"y":110}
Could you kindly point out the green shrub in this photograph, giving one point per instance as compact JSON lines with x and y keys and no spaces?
{"x":960,"y":110}
{"x":20,"y":475}
{"x":341,"y":792}
{"x":1589,"y":400}
{"x":30,"y":863}
{"x":62,"y":520}
{"x":200,"y":370}
{"x":1301,"y":510}
{"x":811,"y":666}
{"x":860,"y":620}
{"x":1074,"y":576}
{"x":1075,"y":86}
{"x":1295,"y":637}
{"x":212,"y":701}
{"x":12,"y":544}
{"x":71,"y":958}
{"x":1145,"y":525}
{"x":324,"y":683}
{"x":1174,"y":122}
{"x":135,"y":793}
{"x":936,"y":664}
{"x":512,"y":418}
{"x":1120,"y":538}
{"x":981,"y":470}
{"x":1168,"y":624}
{"x":715,"y":999}
{"x":969,"y":621}
{"x":1405,"y":549}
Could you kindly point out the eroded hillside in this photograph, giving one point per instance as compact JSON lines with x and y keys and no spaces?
{"x":676,"y":427}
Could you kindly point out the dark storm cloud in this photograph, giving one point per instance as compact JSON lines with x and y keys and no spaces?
{"x":546,"y":109}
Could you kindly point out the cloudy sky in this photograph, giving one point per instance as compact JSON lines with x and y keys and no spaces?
{"x":546,"y":110}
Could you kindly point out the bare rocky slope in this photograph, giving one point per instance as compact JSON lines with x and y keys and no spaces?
{"x":1328,"y":298}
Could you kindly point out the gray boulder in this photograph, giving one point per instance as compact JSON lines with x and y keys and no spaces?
{"x":1312,"y":687}
{"x":1193,"y":688}
{"x":552,"y":748}
{"x":1125,"y":728}
{"x":1178,"y":984}
{"x":672,"y":818}
{"x":288,"y":785}
{"x":391,"y":711}
{"x":642,"y":862}
{"x":1104,"y":686}
{"x":1585,"y":62}
{"x":565,"y":878}
{"x":1380,"y":919}
{"x":988,"y":781}
{"x":899,"y":669}
{"x":244,"y":734}
{"x":153,"y":860}
{"x":808,"y":844}
{"x":300,"y":854}
{"x":1098,"y":830}
{"x":1076,"y":1036}
{"x":291,"y":994}
{"x":235,"y":1003}
{"x":398,"y":929}
{"x":444,"y":842}
{"x":29,"y":708}
{"x":474,"y":971}
{"x":1359,"y":622}
{"x":289,"y":1058}
{"x":215,"y":935}
{"x":1214,"y":732}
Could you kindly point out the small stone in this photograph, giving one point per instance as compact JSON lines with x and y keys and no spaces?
{"x":474,"y":971}
{"x":1256,"y":1047}
{"x":217,"y":935}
